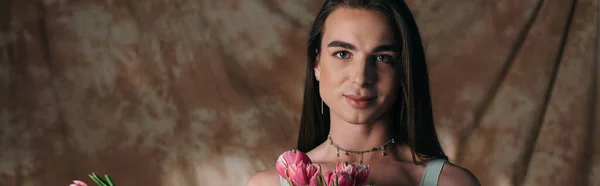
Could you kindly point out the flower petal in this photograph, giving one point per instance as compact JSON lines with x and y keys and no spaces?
{"x":362,"y":174}
{"x":329,"y":177}
{"x":299,"y":177}
{"x":344,"y":179}
{"x":281,"y":165}
{"x":302,"y":158}
{"x":313,"y":172}
{"x":78,"y":183}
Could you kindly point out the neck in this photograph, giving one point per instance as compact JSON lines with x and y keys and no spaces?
{"x":358,"y":137}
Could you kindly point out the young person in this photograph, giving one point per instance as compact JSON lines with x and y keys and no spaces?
{"x":367,"y":99}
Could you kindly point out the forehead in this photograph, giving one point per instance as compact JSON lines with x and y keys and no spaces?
{"x":358,"y":26}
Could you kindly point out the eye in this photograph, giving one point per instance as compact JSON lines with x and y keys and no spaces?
{"x":342,"y":54}
{"x":384,"y":58}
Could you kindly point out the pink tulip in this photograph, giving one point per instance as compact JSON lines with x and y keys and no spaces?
{"x":314,"y":175}
{"x":362,"y":174}
{"x":346,"y":167}
{"x":329,"y":177}
{"x":78,"y":183}
{"x":289,"y":159}
{"x":358,"y":172}
{"x":304,"y":174}
{"x":343,"y":178}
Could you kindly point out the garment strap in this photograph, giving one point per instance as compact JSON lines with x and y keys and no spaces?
{"x":283,"y":181}
{"x":432,"y":172}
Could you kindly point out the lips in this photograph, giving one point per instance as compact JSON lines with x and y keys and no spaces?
{"x":358,"y":101}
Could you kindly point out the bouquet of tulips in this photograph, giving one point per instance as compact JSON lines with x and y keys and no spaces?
{"x":98,"y":180}
{"x":298,"y":170}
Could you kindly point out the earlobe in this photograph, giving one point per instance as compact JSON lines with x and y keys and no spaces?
{"x":317,"y":68}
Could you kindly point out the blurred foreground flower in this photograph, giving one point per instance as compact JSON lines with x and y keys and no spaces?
{"x":98,"y":180}
{"x":78,"y":183}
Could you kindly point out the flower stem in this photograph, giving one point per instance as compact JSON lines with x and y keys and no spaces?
{"x":98,"y":180}
{"x":109,"y":180}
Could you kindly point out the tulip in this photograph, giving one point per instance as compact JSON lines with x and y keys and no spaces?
{"x":304,"y":174}
{"x":329,"y":177}
{"x":297,"y":168}
{"x":346,"y":167}
{"x":290,"y":160}
{"x":358,"y":172}
{"x":362,"y":174}
{"x":78,"y":183}
{"x":343,"y":178}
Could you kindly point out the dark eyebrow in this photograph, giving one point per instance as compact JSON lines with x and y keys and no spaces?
{"x":382,"y":48}
{"x":342,"y":44}
{"x":388,"y":48}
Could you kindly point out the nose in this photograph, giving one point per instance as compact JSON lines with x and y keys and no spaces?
{"x":364,"y":73}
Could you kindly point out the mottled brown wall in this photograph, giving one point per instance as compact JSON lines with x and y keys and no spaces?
{"x":183,"y":92}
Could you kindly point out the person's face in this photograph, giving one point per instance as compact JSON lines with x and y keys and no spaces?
{"x":355,"y":67}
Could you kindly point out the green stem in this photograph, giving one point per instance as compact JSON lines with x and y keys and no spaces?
{"x":336,"y":180}
{"x":109,"y":180}
{"x":98,"y":180}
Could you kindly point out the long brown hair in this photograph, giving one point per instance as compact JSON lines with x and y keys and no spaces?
{"x":413,"y":115}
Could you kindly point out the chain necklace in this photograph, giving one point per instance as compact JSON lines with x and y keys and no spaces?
{"x":360,"y":152}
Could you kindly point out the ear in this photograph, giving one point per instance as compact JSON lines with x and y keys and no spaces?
{"x":317,"y":67}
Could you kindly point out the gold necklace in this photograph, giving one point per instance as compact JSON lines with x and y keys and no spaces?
{"x":360,"y":152}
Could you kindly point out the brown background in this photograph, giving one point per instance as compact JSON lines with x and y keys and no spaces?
{"x":206,"y":92}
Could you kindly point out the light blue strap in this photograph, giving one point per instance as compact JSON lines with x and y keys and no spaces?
{"x":284,"y":182}
{"x":432,"y":172}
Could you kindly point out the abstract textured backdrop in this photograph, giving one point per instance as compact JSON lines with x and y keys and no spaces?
{"x":206,"y":92}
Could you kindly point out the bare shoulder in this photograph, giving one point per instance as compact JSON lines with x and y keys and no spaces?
{"x":453,"y":175}
{"x":266,"y":177}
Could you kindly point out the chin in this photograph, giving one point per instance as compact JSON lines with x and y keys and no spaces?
{"x":359,"y":118}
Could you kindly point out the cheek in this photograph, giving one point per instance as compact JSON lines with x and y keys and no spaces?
{"x":386,"y":82}
{"x":331,"y":73}
{"x":328,"y":82}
